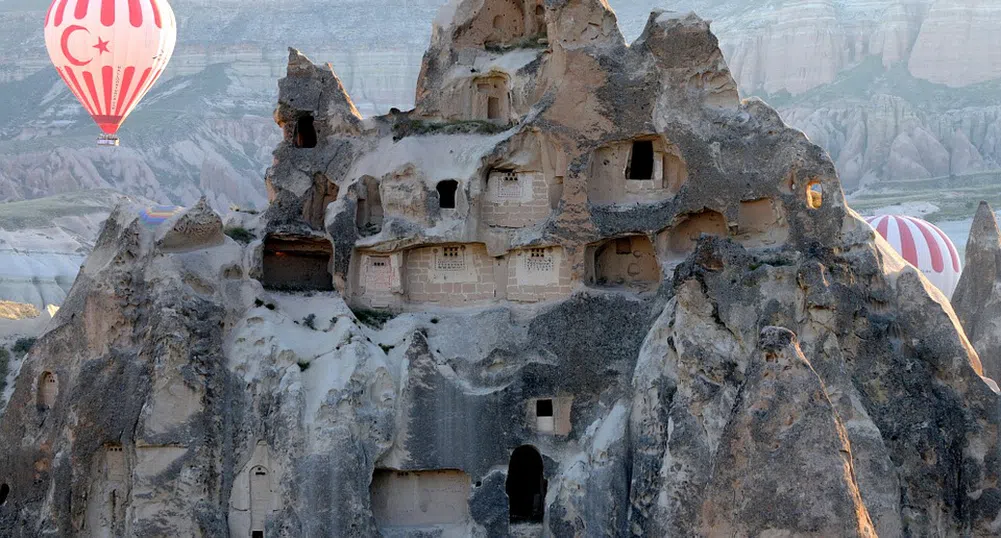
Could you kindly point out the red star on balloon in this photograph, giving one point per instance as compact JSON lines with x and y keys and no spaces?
{"x":102,"y":46}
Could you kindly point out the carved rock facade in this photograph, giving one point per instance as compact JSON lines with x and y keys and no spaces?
{"x":626,"y":303}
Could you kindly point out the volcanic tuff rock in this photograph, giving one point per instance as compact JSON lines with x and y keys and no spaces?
{"x":195,"y":229}
{"x":205,"y":129}
{"x":978,"y":296}
{"x":580,"y":289}
{"x":853,"y":74}
{"x":784,"y":398}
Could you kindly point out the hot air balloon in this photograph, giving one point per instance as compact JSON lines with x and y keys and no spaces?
{"x":110,"y":53}
{"x":924,"y":246}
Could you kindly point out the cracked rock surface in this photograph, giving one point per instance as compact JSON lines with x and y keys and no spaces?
{"x":580,"y":290}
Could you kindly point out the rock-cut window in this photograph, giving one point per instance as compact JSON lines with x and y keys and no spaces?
{"x":48,"y":389}
{"x":641,"y":160}
{"x":304,"y":135}
{"x":814,"y":195}
{"x":446,"y":193}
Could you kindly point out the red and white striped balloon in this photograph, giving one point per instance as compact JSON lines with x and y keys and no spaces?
{"x":110,"y":52}
{"x":924,"y":246}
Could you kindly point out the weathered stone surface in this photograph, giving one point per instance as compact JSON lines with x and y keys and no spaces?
{"x":568,"y":267}
{"x":978,"y":296}
{"x":196,"y":228}
{"x":783,"y":407}
{"x":694,"y":372}
{"x":222,"y":84}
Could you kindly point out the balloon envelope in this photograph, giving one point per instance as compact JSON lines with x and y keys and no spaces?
{"x":924,"y":246}
{"x":156,"y":215}
{"x":110,"y":52}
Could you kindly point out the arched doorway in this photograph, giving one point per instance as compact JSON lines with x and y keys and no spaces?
{"x":526,"y":486}
{"x":260,"y":500}
{"x":370,"y":213}
{"x":48,"y":389}
{"x":446,"y":193}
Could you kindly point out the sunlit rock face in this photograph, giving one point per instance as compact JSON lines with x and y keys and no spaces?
{"x":17,"y":311}
{"x":580,"y":289}
{"x":978,"y":297}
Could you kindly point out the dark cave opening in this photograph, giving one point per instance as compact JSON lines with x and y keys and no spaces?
{"x":641,"y":160}
{"x":526,"y":486}
{"x":446,"y":193}
{"x":304,"y":135}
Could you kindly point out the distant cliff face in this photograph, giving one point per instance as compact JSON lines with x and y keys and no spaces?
{"x":957,"y":44}
{"x":797,"y":45}
{"x":893,"y":89}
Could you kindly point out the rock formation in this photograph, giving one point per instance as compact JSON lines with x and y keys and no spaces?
{"x":837,"y":70}
{"x":195,"y":229}
{"x":580,"y":290}
{"x":43,"y":242}
{"x":978,"y":296}
{"x":221,"y":84}
{"x":952,"y":46}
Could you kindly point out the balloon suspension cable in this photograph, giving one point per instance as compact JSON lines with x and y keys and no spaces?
{"x":107,"y":140}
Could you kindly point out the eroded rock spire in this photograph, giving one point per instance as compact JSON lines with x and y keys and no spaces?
{"x":977,"y":300}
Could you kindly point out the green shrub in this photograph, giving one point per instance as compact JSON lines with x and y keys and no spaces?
{"x":240,"y":234}
{"x":373,"y":318}
{"x":417,"y":127}
{"x":4,"y":367}
{"x":23,"y":345}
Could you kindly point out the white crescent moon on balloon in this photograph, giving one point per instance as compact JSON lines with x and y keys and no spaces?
{"x":67,"y":33}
